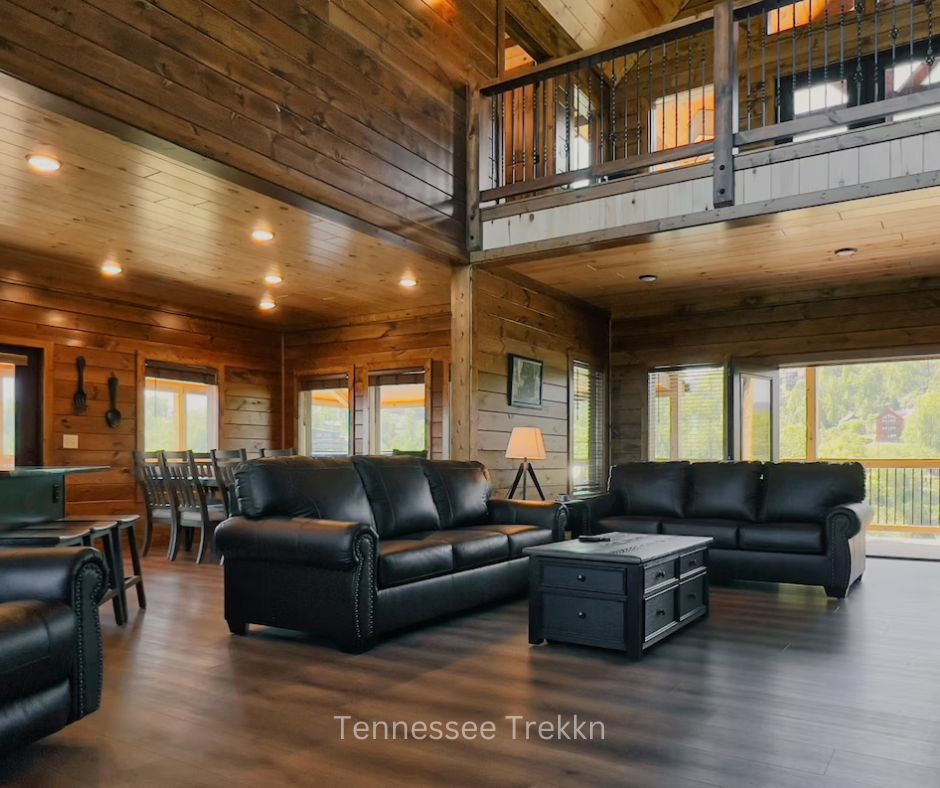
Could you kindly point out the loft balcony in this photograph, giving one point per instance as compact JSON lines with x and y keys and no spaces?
{"x":751,"y":109}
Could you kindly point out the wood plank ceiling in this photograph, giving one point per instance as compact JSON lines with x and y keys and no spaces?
{"x":182,"y":235}
{"x":895,"y":236}
{"x":595,"y":23}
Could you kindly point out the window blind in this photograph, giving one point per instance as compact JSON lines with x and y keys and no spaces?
{"x":324,"y":382}
{"x":687,"y":414}
{"x":164,"y":371}
{"x":396,"y":377}
{"x":588,"y":442}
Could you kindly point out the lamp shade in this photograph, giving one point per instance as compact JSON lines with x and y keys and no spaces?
{"x":526,"y":443}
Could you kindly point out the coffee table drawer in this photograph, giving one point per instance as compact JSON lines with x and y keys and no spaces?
{"x":691,"y":563}
{"x":691,"y":596}
{"x":593,"y":619}
{"x":605,"y":581}
{"x":659,"y":574}
{"x":660,"y":612}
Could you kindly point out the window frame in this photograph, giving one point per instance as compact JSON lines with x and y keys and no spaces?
{"x":302,"y":429}
{"x":180,"y":389}
{"x":649,"y":422}
{"x":594,"y":365}
{"x":7,"y":460}
{"x":372,"y":417}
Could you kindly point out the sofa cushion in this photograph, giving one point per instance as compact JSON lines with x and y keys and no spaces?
{"x":724,"y":490}
{"x":783,"y":537}
{"x":460,"y":490}
{"x":37,"y":647}
{"x":408,"y":560}
{"x":805,"y":492}
{"x":309,"y":487}
{"x":472,"y":547}
{"x":520,"y":536}
{"x":630,"y":524}
{"x":724,"y":532}
{"x":400,"y":494}
{"x":651,"y":488}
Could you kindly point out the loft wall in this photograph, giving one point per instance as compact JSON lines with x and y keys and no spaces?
{"x":419,"y":339}
{"x":833,"y":324}
{"x":359,"y":105}
{"x":118,"y":338}
{"x":510,"y":317}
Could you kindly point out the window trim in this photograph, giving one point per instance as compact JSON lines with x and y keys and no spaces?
{"x":594,"y":364}
{"x":180,"y":389}
{"x":301,"y":431}
{"x":648,"y":420}
{"x":370,"y":415}
{"x":7,"y":459}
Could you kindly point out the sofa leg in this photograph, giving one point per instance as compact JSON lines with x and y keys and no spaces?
{"x":837,"y":592}
{"x":237,"y":627}
{"x":359,"y":646}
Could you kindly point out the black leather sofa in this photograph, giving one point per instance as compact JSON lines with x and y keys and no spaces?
{"x":352,"y":549}
{"x":780,"y":522}
{"x":50,"y":641}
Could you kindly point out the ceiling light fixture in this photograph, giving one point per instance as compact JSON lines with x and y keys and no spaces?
{"x":274,"y":280}
{"x":408,"y":282}
{"x":267,"y":303}
{"x":40,"y":162}
{"x":848,"y":251}
{"x":262,"y":235}
{"x":112,"y":268}
{"x":648,"y":278}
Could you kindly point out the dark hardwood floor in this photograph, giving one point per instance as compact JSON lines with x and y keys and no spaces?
{"x":780,"y":687}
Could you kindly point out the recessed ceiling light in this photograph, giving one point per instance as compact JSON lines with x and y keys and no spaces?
{"x":274,"y":279}
{"x":408,"y":282}
{"x":848,"y":251}
{"x":267,"y":303}
{"x":262,"y":234}
{"x":40,"y":162}
{"x":648,"y":278}
{"x":112,"y":268}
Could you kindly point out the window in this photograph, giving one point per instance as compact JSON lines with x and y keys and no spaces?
{"x":682,"y":119}
{"x":804,"y":13}
{"x":587,"y":446}
{"x":816,"y":98}
{"x":181,"y":409}
{"x":325,"y":416}
{"x":687,"y":414}
{"x":911,"y":77}
{"x":7,"y":414}
{"x":399,"y":413}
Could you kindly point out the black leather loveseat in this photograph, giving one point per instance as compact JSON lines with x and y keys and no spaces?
{"x":355,"y":548}
{"x":781,"y":522}
{"x":50,"y":641}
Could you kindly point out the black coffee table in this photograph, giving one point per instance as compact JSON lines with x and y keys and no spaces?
{"x":626,"y":594}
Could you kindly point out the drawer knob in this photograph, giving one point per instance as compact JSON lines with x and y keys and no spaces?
{"x":693,"y":562}
{"x":693,"y":595}
{"x":660,"y":575}
{"x":582,"y":614}
{"x":582,"y":578}
{"x":660,"y":612}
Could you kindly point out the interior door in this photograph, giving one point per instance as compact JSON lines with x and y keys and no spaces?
{"x":754,"y":411}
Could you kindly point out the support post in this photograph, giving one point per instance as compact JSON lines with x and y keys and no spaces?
{"x":462,"y":432}
{"x":726,"y":101}
{"x":474,"y":167}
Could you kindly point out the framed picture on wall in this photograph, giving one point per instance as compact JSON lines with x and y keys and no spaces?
{"x":525,"y":382}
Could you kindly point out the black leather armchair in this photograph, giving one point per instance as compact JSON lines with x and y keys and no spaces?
{"x":354,"y":549}
{"x":50,"y":641}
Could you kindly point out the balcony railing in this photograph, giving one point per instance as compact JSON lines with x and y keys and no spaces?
{"x":905,"y":495}
{"x":700,"y":91}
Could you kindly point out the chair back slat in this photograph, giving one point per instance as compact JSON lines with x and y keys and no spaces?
{"x":224,"y":464}
{"x":150,"y":477}
{"x":182,"y":475}
{"x":278,"y":452}
{"x":204,"y":465}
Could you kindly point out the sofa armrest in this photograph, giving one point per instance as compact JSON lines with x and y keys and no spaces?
{"x":73,"y":576}
{"x":329,"y":544}
{"x":849,"y":519}
{"x":599,"y":506}
{"x":543,"y":514}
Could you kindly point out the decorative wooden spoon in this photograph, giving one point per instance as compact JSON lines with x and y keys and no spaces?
{"x":113,"y":416}
{"x":80,"y":400}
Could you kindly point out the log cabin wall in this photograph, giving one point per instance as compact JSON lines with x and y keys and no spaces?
{"x":118,"y":338}
{"x":837,"y":324}
{"x":416,"y":340}
{"x":359,"y":105}
{"x":510,"y":317}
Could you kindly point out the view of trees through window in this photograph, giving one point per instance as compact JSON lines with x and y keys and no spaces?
{"x":7,"y":413}
{"x":687,"y":414}
{"x":325,"y":422}
{"x":179,"y":415}
{"x":400,"y":418}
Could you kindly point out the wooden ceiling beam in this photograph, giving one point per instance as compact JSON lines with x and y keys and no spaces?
{"x":537,"y":31}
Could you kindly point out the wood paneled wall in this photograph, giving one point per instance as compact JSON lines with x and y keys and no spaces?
{"x":359,"y":105}
{"x":509,"y":316}
{"x":118,"y":338}
{"x":849,"y":323}
{"x":419,"y":339}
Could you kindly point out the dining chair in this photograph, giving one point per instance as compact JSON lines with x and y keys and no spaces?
{"x":157,"y":499}
{"x":225,"y":463}
{"x":278,"y":452}
{"x":191,"y":509}
{"x":206,"y":469}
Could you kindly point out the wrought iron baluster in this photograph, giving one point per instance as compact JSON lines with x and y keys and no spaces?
{"x":568,"y":124}
{"x":747,"y":68}
{"x":763,"y":67}
{"x":523,"y":143}
{"x":859,"y":74}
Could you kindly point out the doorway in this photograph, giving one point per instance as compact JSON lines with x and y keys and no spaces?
{"x":21,"y":397}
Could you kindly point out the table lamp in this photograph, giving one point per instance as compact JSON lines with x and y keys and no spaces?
{"x":526,"y":443}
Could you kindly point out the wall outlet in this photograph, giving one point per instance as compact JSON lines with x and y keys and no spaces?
{"x":70,"y":441}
